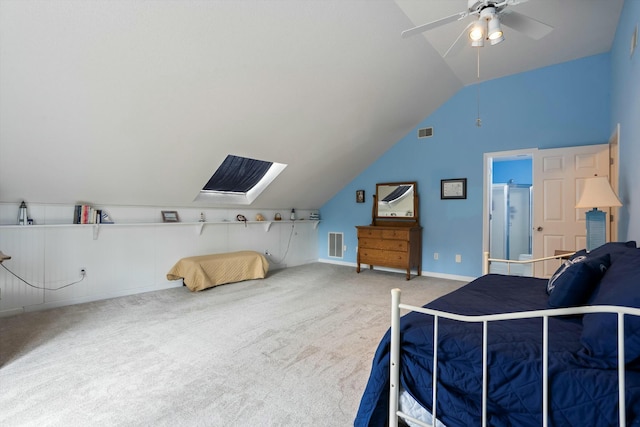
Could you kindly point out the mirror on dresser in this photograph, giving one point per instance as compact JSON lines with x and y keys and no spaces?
{"x":394,"y":238}
{"x":396,"y":201}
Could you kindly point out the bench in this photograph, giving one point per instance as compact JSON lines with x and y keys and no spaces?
{"x":206,"y":271}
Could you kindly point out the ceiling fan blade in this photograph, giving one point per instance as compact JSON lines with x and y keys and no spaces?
{"x":524,"y":24}
{"x":460,"y":42}
{"x":431,"y":25}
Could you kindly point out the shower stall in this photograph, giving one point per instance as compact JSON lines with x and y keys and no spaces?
{"x":511,"y":225}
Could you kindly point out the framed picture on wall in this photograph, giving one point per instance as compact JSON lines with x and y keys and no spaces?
{"x":453,"y":188}
{"x":170,"y":216}
{"x":359,"y":196}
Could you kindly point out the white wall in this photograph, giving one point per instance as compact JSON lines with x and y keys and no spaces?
{"x":134,"y":254}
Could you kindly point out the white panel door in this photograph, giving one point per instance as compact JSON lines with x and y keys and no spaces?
{"x":558,"y":177}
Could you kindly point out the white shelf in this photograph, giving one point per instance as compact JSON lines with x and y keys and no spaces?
{"x":198,"y":225}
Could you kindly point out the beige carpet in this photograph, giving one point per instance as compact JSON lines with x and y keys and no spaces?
{"x":293,"y":349}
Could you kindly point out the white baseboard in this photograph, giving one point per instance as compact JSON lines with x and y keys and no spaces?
{"x":11,"y":312}
{"x":395,"y":270}
{"x":110,"y":295}
{"x":333,"y":261}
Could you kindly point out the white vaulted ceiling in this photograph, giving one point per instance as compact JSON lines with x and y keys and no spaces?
{"x":137,"y":102}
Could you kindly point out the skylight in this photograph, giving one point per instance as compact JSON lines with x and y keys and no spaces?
{"x":239,"y":180}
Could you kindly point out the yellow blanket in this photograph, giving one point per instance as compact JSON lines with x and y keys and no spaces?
{"x":206,"y":271}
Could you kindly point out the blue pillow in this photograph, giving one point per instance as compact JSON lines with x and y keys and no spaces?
{"x":574,"y":281}
{"x":620,"y":287}
{"x":614,"y":249}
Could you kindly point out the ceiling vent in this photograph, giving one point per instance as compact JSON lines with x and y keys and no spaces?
{"x":425,"y":133}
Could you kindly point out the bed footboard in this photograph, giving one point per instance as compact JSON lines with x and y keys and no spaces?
{"x":486,"y":261}
{"x":395,"y":351}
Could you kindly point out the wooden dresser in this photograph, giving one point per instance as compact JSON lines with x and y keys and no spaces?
{"x":389,"y":246}
{"x":394,"y":238}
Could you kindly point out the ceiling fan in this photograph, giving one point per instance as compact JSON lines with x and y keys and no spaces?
{"x":490,"y":15}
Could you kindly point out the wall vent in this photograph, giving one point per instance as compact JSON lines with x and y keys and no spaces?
{"x":425,"y":133}
{"x":335,"y":244}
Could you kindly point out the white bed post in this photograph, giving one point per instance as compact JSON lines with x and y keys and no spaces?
{"x":621,"y":365}
{"x":394,"y":366}
{"x":485,"y":263}
{"x":485,"y":376}
{"x":545,"y":371}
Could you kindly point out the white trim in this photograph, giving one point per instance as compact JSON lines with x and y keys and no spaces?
{"x":227,"y":197}
{"x":11,"y":312}
{"x":487,"y":175}
{"x":614,"y":180}
{"x":395,"y":270}
{"x":93,"y":298}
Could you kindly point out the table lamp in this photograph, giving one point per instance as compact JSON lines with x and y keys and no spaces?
{"x":597,"y":193}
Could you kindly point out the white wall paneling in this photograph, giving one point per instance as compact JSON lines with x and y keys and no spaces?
{"x":131,"y":256}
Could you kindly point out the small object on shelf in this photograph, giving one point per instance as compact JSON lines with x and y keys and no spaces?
{"x":3,"y":257}
{"x":22,"y":214}
{"x":105,"y":218}
{"x":314,"y":216}
{"x":202,"y":217}
{"x":170,"y":216}
{"x":87,"y":214}
{"x":293,"y":214}
{"x":259,"y":217}
{"x":277,"y":217}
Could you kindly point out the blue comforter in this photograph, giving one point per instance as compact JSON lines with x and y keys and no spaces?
{"x":580,"y":394}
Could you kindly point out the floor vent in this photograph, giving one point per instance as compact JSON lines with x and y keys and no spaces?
{"x":425,"y":133}
{"x":335,"y":244}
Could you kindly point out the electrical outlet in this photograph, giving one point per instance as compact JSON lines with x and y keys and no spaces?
{"x":436,"y":255}
{"x":344,"y":248}
{"x":458,"y":258}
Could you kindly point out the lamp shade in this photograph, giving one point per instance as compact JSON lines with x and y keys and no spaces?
{"x":597,"y":193}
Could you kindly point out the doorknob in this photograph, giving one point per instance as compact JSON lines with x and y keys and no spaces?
{"x":539,"y":229}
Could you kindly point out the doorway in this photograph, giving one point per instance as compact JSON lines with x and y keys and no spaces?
{"x":510,"y":209}
{"x":558,"y":177}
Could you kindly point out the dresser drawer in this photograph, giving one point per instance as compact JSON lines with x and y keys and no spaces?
{"x":382,"y":257}
{"x":395,"y":234}
{"x":383,"y":234}
{"x":389,"y":245}
{"x":368,"y":232}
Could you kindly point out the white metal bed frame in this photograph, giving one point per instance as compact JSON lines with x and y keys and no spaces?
{"x":396,"y":306}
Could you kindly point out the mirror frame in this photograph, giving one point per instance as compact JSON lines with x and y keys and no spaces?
{"x":377,"y":217}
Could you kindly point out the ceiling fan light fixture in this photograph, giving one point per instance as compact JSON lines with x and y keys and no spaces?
{"x":477,"y":31}
{"x":477,"y":43}
{"x":495,"y":34}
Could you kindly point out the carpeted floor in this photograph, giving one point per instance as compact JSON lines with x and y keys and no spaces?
{"x":293,"y":349}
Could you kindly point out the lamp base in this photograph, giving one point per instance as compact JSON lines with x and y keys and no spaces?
{"x":596,"y":228}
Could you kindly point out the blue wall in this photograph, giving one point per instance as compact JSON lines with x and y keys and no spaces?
{"x":513,"y":171}
{"x":625,"y":109}
{"x":562,"y":105}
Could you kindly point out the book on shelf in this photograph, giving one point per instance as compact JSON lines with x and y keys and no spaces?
{"x":87,"y":214}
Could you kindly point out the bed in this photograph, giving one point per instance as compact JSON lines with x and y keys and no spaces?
{"x":517,"y":351}
{"x":206,"y":271}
